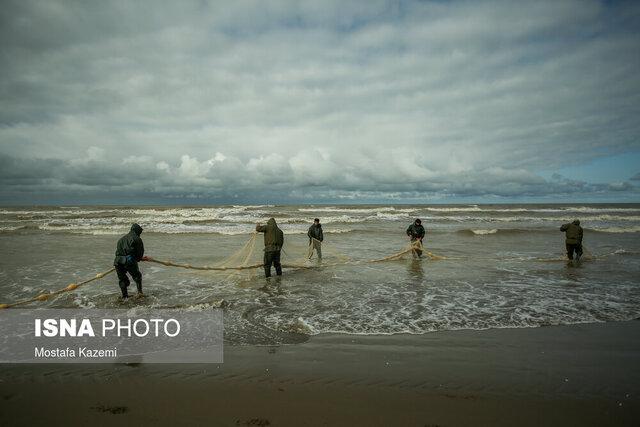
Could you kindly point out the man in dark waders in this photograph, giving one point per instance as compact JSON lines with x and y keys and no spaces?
{"x":273,"y":241}
{"x":573,"y":239}
{"x":129,"y":251}
{"x":315,"y":238}
{"x":416,"y":233}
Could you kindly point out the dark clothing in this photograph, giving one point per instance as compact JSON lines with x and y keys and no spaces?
{"x":123,"y":280}
{"x":273,"y":236}
{"x":571,"y":247}
{"x":272,"y":257}
{"x":415,"y":231}
{"x":273,"y":241}
{"x":315,"y":232}
{"x":573,"y":233}
{"x":130,"y":244}
{"x":129,"y":251}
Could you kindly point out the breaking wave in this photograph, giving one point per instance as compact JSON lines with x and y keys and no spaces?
{"x":229,"y":230}
{"x":484,"y":232}
{"x":480,"y":232}
{"x":229,"y":220}
{"x":634,"y":229}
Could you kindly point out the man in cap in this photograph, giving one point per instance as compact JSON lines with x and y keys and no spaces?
{"x":573,"y":239}
{"x":129,"y":251}
{"x":315,"y":238}
{"x":273,"y":241}
{"x":416,"y":233}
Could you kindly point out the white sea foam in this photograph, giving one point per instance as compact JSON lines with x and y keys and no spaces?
{"x":83,"y":302}
{"x":373,"y":210}
{"x":483,"y":232}
{"x":224,"y":229}
{"x":587,"y":209}
{"x":384,"y":310}
{"x":240,"y":219}
{"x":532,"y":219}
{"x":453,"y":209}
{"x":253,"y":206}
{"x":492,"y":209}
{"x":302,"y":326}
{"x":634,"y":229}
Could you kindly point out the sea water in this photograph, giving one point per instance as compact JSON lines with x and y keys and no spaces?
{"x":504,"y":266}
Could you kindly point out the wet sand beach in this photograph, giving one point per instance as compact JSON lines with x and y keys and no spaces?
{"x":577,"y":375}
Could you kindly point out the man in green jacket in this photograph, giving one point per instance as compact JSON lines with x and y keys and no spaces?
{"x":573,"y":240}
{"x":129,"y":251}
{"x":315,"y":238}
{"x":273,"y":241}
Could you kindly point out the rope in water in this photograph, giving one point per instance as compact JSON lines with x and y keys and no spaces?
{"x":206,"y":268}
{"x":414,"y":246}
{"x":45,"y":296}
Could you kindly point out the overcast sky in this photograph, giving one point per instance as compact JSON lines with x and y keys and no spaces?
{"x":190,"y":102}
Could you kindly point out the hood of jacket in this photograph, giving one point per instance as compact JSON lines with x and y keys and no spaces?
{"x":136,"y":229}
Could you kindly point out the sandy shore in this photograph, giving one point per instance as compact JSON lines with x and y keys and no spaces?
{"x":568,"y":375}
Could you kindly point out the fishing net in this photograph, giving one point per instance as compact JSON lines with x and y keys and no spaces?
{"x":294,"y":254}
{"x":297,"y":253}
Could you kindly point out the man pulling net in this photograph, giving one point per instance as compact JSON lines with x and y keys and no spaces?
{"x":573,"y":239}
{"x":129,"y":252}
{"x":315,"y":238}
{"x":273,"y":241}
{"x":416,"y":233}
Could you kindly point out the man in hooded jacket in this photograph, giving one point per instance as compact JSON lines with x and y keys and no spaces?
{"x":573,"y":238}
{"x":416,"y":232}
{"x":129,"y":251}
{"x":315,"y":238}
{"x":273,"y":241}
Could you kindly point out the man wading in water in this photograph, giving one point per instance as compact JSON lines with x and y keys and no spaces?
{"x":273,"y":241}
{"x":416,"y":233}
{"x":315,"y":238}
{"x":129,"y":251}
{"x":573,"y":240}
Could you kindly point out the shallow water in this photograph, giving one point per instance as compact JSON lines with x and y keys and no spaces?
{"x":504,"y":266}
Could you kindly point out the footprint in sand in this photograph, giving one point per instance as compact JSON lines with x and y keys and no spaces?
{"x":260,"y":422}
{"x":114,"y":410}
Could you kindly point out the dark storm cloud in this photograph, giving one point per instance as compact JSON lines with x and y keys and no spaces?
{"x":15,"y":171}
{"x":335,"y":99}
